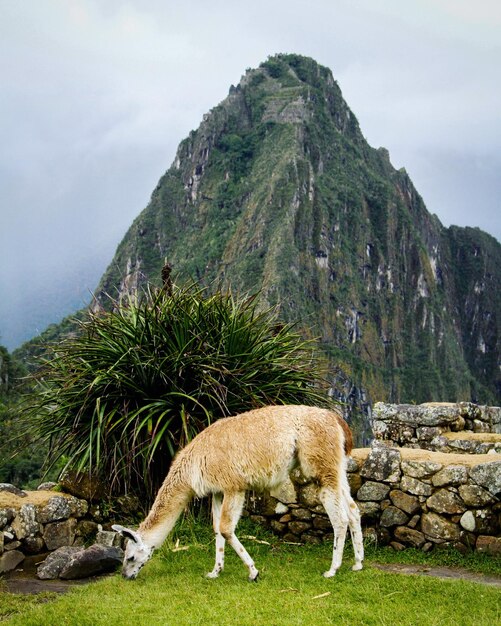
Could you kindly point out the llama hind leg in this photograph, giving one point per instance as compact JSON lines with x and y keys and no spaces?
{"x":355,"y":528}
{"x":230,"y":514}
{"x":217,"y":502}
{"x":335,"y":506}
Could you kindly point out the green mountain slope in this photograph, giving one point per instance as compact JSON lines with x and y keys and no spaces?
{"x":278,"y":190}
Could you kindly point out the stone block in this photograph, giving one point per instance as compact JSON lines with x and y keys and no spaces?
{"x":13,"y":490}
{"x":298,"y":528}
{"x":489,"y":545}
{"x":308,"y":495}
{"x":481,"y":427}
{"x":467,"y":521}
{"x":285,"y":493}
{"x":372,"y":491}
{"x":352,"y":465}
{"x":369,"y":509}
{"x":281,"y":508}
{"x":444,"y":501}
{"x":427,"y":433}
{"x":420,"y":469}
{"x":392,"y":516}
{"x":322,"y":523}
{"x":108,"y":538}
{"x":415,"y":486}
{"x":414,"y":521}
{"x":59,"y":534}
{"x":6,"y":517}
{"x":302,"y":514}
{"x":450,"y":475}
{"x":439,"y":529}
{"x":475,"y":496}
{"x":278,"y":527}
{"x":408,"y":503}
{"x":10,"y":560}
{"x":488,"y":475}
{"x":355,"y":482}
{"x":57,"y":508}
{"x":409,"y":536}
{"x":382,"y":464}
{"x":25,"y":523}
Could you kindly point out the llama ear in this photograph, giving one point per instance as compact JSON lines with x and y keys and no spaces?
{"x":127,"y":533}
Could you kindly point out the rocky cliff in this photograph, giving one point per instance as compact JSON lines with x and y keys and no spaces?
{"x":278,"y":191}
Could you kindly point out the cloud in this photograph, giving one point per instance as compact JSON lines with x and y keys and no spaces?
{"x":96,"y":96}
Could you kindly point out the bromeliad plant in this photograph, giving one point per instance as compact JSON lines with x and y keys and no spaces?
{"x":120,"y":397}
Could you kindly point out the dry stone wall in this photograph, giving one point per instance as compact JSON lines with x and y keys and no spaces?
{"x":447,"y":427}
{"x":411,"y":486}
{"x":431,"y":478}
{"x":45,"y":521}
{"x":407,"y":498}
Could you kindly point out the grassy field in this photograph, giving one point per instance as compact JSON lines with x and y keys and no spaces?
{"x":172,"y":589}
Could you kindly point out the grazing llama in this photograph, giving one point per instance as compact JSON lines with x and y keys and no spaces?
{"x":255,"y":450}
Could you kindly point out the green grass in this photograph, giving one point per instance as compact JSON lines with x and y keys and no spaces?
{"x":172,"y":589}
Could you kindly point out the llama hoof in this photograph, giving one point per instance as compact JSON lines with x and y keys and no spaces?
{"x":212,"y":575}
{"x":330,"y":573}
{"x":357,"y":567}
{"x":253,"y":577}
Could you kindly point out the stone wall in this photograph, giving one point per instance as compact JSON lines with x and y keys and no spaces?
{"x":448,"y":427}
{"x":43,"y":521}
{"x":432,"y":478}
{"x":407,"y":498}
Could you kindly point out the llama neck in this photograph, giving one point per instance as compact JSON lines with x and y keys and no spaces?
{"x":171,"y":500}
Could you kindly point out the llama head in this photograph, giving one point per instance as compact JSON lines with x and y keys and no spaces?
{"x":137,"y":553}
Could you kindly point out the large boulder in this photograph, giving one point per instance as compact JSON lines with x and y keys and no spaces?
{"x":95,"y":560}
{"x":56,"y":562}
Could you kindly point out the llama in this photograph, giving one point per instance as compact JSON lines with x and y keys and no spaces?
{"x":254,"y":450}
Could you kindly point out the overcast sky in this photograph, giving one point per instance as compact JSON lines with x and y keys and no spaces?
{"x":95,"y":96}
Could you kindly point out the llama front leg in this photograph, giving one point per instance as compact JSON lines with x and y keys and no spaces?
{"x":230,"y":514}
{"x":333,"y":503}
{"x":217,"y":501}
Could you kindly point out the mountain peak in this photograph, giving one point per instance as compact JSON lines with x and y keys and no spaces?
{"x":277,"y":191}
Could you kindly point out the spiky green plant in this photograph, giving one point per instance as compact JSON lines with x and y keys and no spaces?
{"x":121,"y":396}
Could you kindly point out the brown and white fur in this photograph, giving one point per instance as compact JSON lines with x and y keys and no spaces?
{"x":255,"y":450}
